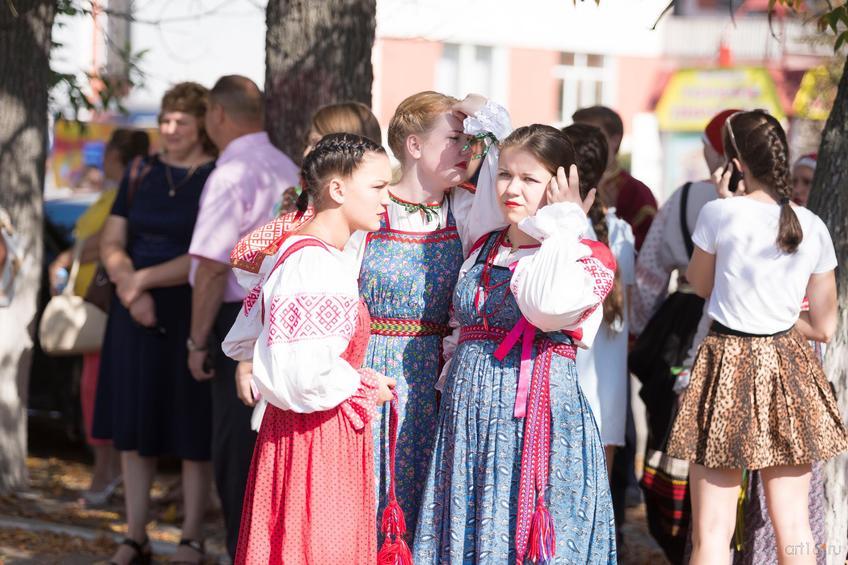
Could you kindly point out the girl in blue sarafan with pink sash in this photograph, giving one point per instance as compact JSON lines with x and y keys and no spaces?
{"x":408,"y":268}
{"x":518,"y":471}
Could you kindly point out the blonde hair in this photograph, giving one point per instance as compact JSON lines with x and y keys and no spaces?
{"x":416,"y":115}
{"x":347,"y":117}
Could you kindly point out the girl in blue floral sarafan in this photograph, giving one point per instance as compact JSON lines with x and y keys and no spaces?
{"x":409,"y":267}
{"x":518,"y":471}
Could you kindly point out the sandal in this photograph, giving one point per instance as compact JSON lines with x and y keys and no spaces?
{"x":197,"y":546}
{"x":97,"y":498}
{"x":143,"y":555}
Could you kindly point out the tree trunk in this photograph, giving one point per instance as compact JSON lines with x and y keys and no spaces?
{"x":829,"y":199}
{"x":25,"y":32}
{"x":316,"y":52}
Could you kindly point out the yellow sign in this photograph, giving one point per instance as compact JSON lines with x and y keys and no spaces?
{"x":693,"y":96}
{"x":816,"y":95}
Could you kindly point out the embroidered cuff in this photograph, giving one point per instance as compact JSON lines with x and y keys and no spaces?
{"x":563,"y":219}
{"x":361,"y":408}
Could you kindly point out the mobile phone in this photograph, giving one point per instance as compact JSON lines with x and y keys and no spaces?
{"x":735,"y":176}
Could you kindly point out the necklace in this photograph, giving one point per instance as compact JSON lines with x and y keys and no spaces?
{"x":174,"y":187}
{"x":512,"y":247}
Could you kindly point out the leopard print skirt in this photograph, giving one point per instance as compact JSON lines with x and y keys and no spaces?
{"x":756,"y":402}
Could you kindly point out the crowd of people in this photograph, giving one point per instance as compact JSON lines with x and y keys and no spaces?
{"x":432,"y":364}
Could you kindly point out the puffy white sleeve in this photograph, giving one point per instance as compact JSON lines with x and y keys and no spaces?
{"x":478,"y":213}
{"x":241,"y":339}
{"x":310,"y":306}
{"x":561,"y":285}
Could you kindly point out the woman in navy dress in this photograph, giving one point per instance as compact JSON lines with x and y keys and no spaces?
{"x":147,"y":403}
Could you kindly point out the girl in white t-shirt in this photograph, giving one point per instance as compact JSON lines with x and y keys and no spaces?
{"x":758,"y":398}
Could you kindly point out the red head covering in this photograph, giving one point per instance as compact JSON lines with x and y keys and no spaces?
{"x":713,"y":131}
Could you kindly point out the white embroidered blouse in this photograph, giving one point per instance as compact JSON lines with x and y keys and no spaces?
{"x":296,"y":329}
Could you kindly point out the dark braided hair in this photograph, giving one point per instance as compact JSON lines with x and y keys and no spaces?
{"x":335,"y":154}
{"x":757,"y":139}
{"x":590,"y":146}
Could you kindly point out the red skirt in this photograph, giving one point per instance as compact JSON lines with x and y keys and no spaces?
{"x":310,"y":494}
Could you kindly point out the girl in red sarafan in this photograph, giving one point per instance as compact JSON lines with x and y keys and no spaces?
{"x":310,"y":494}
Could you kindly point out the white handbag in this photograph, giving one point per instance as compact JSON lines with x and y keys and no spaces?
{"x":70,"y":325}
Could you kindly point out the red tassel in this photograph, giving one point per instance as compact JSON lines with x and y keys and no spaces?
{"x":394,"y":522}
{"x":394,"y":552}
{"x":542,"y":536}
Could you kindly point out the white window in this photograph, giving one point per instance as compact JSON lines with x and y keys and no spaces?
{"x":584,"y":80}
{"x":481,"y":69}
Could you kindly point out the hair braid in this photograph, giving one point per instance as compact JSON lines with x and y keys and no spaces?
{"x":334,"y":154}
{"x":790,"y":233}
{"x":762,"y":146}
{"x":590,"y":146}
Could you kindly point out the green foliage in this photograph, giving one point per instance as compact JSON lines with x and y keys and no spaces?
{"x":68,"y":91}
{"x":830,"y":17}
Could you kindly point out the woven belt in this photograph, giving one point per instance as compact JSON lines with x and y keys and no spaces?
{"x":482,"y":333}
{"x":407,"y":328}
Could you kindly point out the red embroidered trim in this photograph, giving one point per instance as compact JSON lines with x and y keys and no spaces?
{"x":265,"y":240}
{"x":446,"y":234}
{"x":601,"y":252}
{"x":250,"y":300}
{"x":603,"y":281}
{"x":479,"y":243}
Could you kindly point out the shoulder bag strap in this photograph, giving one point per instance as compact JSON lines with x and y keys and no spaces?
{"x":139,"y":167}
{"x":75,"y":266}
{"x":684,"y":225}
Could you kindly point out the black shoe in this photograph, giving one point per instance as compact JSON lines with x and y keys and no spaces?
{"x":197,"y":546}
{"x":143,"y":555}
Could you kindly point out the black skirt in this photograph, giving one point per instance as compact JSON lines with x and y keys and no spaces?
{"x":147,"y":399}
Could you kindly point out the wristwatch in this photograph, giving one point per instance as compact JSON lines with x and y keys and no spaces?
{"x":191,"y":346}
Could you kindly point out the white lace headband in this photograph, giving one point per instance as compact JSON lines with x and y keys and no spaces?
{"x":806,"y":161}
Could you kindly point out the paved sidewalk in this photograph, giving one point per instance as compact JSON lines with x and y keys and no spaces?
{"x":48,"y":524}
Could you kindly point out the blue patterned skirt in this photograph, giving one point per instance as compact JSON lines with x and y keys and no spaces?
{"x":469,"y":506}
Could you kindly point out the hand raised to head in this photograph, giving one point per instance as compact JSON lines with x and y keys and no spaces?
{"x":567,"y":189}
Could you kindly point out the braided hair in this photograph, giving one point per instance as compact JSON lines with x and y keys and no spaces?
{"x":757,"y":139}
{"x":592,"y":152}
{"x":335,"y":154}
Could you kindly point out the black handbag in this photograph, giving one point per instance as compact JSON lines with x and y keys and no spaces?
{"x":663,"y":345}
